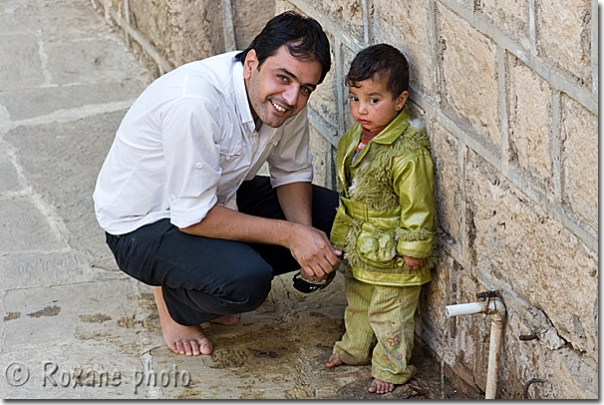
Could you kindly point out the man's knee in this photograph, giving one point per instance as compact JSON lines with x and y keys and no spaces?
{"x":247,"y":290}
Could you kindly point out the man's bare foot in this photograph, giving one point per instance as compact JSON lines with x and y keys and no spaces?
{"x":181,"y":339}
{"x":381,"y":387}
{"x":227,"y":319}
{"x":334,"y":361}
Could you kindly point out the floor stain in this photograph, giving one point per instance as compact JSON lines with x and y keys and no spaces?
{"x":98,"y":336}
{"x":126,"y":322}
{"x":12,"y":315}
{"x":95,"y":318}
{"x":47,"y":311}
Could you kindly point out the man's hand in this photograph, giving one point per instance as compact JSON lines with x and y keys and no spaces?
{"x":313,"y":251}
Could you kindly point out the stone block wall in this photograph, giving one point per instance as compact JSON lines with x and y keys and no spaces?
{"x":508,"y":91}
{"x":167,"y":34}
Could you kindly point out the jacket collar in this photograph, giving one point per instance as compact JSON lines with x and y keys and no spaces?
{"x":394,"y":129}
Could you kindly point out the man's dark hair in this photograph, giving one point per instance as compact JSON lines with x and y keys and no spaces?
{"x":382,"y":61}
{"x":303,"y":36}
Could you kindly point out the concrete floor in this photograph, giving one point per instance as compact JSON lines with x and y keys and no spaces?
{"x":73,"y":325}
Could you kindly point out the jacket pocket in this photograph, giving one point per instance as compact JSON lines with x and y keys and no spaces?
{"x":377,"y":247}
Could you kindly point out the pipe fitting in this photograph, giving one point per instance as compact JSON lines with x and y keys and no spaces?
{"x":490,"y":304}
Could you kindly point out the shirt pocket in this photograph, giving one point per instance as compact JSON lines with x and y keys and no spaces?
{"x":230,"y":152}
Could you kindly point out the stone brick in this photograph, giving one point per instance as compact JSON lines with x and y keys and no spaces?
{"x":198,"y":32}
{"x":182,"y":31}
{"x":81,"y":17}
{"x":46,"y":100}
{"x":532,"y":254}
{"x":23,"y":69}
{"x":346,"y":56}
{"x":348,"y":14}
{"x":284,"y":5}
{"x":44,"y":308}
{"x":530,"y":123}
{"x":406,"y":25}
{"x":35,"y":270}
{"x":580,"y":161}
{"x":249,"y":17}
{"x":68,"y":186}
{"x":9,"y":179}
{"x":27,"y":228}
{"x":511,"y":16}
{"x":581,"y":374}
{"x":18,"y":17}
{"x":469,"y":75}
{"x":447,"y":179}
{"x":564,"y":35}
{"x":469,"y":4}
{"x":88,"y":62}
{"x":322,"y":99}
{"x":432,"y":325}
{"x":322,"y":162}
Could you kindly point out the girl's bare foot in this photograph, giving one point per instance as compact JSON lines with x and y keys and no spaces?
{"x":227,"y":319}
{"x":181,"y":339}
{"x":380,"y":387}
{"x":334,"y":361}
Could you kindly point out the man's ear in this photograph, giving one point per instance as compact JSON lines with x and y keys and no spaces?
{"x":249,"y":63}
{"x":401,"y":100}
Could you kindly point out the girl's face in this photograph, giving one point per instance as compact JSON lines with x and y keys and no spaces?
{"x":372,"y":105}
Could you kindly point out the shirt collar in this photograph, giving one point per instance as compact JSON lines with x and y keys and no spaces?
{"x":243,"y":105}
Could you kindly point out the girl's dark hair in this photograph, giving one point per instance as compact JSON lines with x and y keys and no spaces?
{"x":380,"y":60}
{"x":303,"y":36}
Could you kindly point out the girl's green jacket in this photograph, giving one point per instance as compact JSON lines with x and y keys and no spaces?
{"x":387,"y":203}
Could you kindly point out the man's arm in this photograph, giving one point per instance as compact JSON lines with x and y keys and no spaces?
{"x":295,"y":200}
{"x":309,"y":246}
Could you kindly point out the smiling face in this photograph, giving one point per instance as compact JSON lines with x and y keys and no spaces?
{"x":280,"y":88}
{"x":372,"y":105}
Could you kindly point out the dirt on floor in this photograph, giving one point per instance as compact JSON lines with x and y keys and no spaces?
{"x":280,"y":351}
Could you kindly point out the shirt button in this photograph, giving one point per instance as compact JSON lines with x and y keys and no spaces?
{"x":228,"y":158}
{"x":199,"y":165}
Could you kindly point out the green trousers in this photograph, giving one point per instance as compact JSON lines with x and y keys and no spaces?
{"x":379,"y":329}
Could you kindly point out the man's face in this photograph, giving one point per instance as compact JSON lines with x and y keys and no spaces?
{"x":280,"y":88}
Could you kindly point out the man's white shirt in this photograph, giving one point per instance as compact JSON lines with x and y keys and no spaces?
{"x":187,"y":143}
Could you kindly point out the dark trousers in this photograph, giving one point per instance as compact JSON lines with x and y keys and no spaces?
{"x":203,"y":278}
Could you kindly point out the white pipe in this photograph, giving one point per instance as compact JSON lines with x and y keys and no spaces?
{"x":496,"y":308}
{"x":494,"y":360}
{"x":466,"y":309}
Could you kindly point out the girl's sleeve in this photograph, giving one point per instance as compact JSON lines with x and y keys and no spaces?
{"x":413,"y":181}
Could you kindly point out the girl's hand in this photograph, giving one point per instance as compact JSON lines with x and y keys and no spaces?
{"x":413,"y":263}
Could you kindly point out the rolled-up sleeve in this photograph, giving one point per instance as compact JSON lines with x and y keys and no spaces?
{"x":192,"y":156}
{"x":414,"y":183}
{"x":290,"y":161}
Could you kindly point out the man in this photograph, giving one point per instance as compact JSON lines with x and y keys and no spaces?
{"x":178,"y":197}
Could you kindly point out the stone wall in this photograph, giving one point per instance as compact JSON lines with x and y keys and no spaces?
{"x":508,"y":91}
